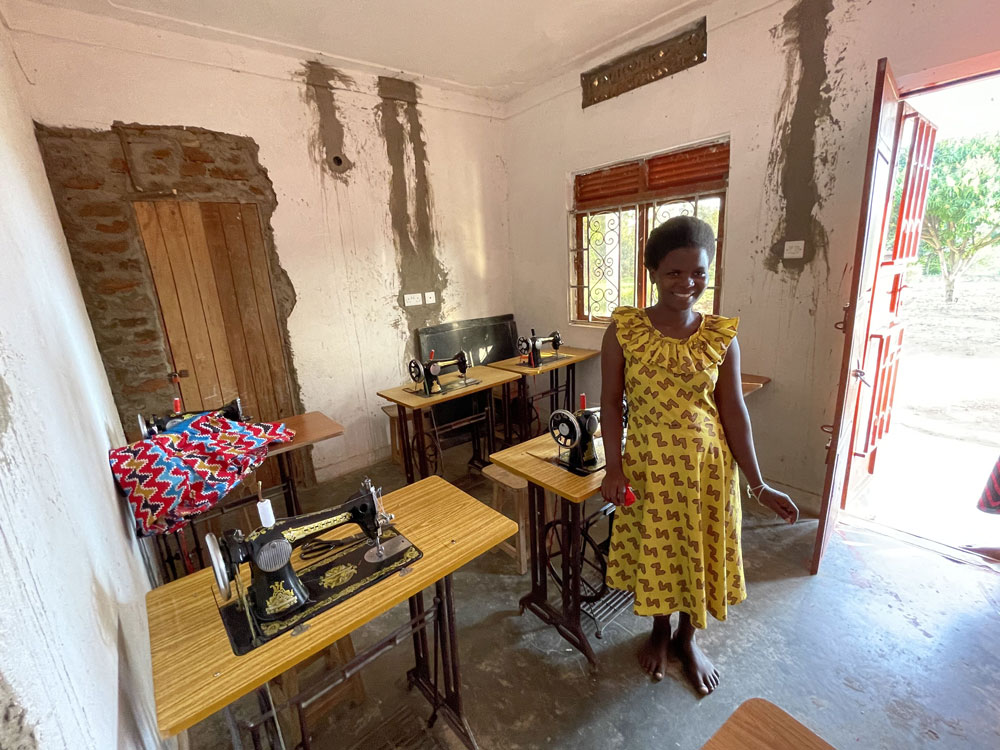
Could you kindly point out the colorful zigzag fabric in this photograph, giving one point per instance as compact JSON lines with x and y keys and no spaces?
{"x":183,"y":472}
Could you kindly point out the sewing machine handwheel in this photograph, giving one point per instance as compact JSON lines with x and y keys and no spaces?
{"x":416,"y":371}
{"x":564,"y":428}
{"x":556,"y":339}
{"x":219,"y":566}
{"x":523,"y":346}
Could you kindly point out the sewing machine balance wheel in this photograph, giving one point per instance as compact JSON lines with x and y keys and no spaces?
{"x":219,"y":566}
{"x":564,"y":428}
{"x":523,"y":346}
{"x":416,"y":371}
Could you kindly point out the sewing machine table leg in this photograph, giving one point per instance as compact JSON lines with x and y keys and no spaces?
{"x":522,"y":397}
{"x":418,"y":433}
{"x":404,"y":442}
{"x":234,"y":729}
{"x":507,"y":429}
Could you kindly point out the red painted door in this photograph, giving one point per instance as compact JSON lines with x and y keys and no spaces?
{"x":899,"y":252}
{"x":887,"y":115}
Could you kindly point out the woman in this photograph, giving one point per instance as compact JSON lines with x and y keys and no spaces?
{"x":677,"y":548}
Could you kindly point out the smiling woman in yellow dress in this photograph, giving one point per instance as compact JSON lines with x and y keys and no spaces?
{"x":677,"y":548}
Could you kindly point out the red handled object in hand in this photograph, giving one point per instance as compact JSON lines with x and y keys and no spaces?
{"x":629,"y":496}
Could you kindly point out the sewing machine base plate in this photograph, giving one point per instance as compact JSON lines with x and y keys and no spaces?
{"x":448,"y":388}
{"x":340,"y":574}
{"x":563,"y":460}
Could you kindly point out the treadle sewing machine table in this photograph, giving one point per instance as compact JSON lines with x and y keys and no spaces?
{"x":552,"y":362}
{"x":196,"y":673}
{"x":525,"y":460}
{"x":405,"y":398}
{"x":533,"y":461}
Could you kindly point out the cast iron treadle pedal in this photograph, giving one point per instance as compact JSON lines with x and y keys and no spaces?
{"x":404,"y":730}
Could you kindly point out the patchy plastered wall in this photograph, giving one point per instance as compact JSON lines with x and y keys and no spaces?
{"x":382,"y":188}
{"x":74,"y":671}
{"x":790,"y":83}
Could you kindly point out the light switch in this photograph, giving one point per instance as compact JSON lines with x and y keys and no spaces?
{"x":795,"y":249}
{"x":409,"y":300}
{"x":430,"y":298}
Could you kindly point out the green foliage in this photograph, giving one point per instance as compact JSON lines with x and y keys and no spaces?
{"x":963,"y":206}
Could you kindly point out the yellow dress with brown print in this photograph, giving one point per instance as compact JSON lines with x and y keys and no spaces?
{"x":677,"y":548}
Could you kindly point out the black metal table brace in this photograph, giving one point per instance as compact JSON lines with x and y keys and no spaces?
{"x":447,"y":704}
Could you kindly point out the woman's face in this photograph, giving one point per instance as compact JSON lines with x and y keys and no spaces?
{"x":681,"y":277}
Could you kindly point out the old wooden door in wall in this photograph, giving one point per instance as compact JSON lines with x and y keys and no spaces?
{"x":886,"y":121}
{"x":210,"y":269}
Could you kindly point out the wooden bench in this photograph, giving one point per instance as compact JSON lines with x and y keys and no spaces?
{"x":508,"y":488}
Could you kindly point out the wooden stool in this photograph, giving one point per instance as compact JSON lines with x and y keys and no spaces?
{"x":394,"y":446}
{"x":508,"y":487}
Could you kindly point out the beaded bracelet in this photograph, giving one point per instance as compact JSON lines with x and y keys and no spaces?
{"x":753,"y":492}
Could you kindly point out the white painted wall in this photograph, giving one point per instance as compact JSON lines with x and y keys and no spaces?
{"x":73,"y":623}
{"x":787,"y":319}
{"x":333,"y":238}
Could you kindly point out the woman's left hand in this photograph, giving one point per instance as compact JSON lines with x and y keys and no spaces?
{"x":779,"y":502}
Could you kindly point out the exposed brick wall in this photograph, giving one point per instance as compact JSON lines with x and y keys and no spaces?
{"x":95,"y":175}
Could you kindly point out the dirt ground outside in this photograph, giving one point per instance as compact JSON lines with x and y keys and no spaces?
{"x":945,"y":433}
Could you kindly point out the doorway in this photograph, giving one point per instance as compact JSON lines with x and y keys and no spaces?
{"x":928,"y":427}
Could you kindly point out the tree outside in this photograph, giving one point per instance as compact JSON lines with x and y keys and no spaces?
{"x":963,"y":208}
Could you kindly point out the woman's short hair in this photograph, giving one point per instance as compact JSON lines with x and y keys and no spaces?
{"x":675,"y":233}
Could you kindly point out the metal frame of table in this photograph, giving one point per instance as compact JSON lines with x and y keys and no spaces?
{"x":568,"y":359}
{"x":449,"y":526}
{"x":405,"y":399}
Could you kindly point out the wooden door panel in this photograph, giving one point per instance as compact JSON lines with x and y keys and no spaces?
{"x":239,"y":263}
{"x":170,"y":306}
{"x":268,"y":316}
{"x":211,"y":306}
{"x":188,"y":294}
{"x":883,"y":141}
{"x":215,"y":241}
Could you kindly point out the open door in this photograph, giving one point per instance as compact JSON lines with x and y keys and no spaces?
{"x":887,"y":111}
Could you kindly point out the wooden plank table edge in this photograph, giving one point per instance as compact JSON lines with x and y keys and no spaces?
{"x":573,"y":356}
{"x":310,"y":428}
{"x":416,"y":580}
{"x":399,"y":395}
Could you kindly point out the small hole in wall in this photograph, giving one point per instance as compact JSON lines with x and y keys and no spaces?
{"x":338,"y":161}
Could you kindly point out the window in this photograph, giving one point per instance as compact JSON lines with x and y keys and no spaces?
{"x":615,"y":209}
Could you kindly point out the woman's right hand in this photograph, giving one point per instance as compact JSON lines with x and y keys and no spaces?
{"x":613,"y":487}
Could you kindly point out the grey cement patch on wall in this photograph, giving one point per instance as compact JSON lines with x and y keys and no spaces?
{"x":804,"y":106}
{"x":15,"y":731}
{"x":327,"y":143}
{"x":420,"y":270}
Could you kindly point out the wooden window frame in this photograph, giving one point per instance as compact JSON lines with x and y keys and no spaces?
{"x":692,"y":174}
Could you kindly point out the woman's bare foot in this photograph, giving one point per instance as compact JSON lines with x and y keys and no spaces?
{"x":653,"y":654}
{"x":991,"y":552}
{"x":703,"y":676}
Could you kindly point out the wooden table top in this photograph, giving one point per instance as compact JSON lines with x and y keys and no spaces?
{"x":532,"y":460}
{"x":753,"y":383}
{"x":488,"y":377}
{"x":196,"y":673}
{"x":311,"y":427}
{"x":568,"y":355}
{"x":760,"y":725}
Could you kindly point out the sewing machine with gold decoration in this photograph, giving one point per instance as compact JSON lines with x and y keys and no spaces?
{"x":428,"y":373}
{"x":282,"y":596}
{"x":532,"y":347}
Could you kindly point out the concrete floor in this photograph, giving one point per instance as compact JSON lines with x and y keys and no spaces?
{"x":891,"y":646}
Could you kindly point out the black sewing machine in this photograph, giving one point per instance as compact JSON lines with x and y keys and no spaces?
{"x":281,"y":596}
{"x":154,"y":423}
{"x":532,"y":347}
{"x":575,"y":433}
{"x":429,"y":372}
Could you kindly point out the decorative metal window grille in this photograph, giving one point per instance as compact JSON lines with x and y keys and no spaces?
{"x":616,"y":208}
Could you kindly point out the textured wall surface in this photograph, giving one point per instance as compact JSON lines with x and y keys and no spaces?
{"x":95,"y":175}
{"x":790,"y":84}
{"x":73,"y":624}
{"x":382,"y":188}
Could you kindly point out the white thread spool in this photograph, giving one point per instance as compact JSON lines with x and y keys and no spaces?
{"x":264,"y":509}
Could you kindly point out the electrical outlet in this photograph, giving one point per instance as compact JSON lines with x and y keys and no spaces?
{"x":795,"y":249}
{"x":430,"y":298}
{"x":409,"y":300}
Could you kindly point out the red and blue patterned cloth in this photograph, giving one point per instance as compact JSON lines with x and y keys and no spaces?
{"x":990,"y":500}
{"x":185,"y":471}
